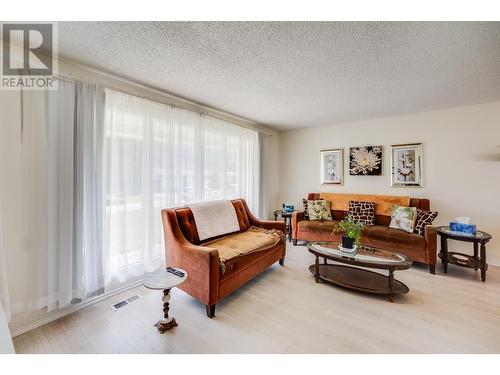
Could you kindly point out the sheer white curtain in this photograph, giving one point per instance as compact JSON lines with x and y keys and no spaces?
{"x":75,"y":199}
{"x":156,"y":156}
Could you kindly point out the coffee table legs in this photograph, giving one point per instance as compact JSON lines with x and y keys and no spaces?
{"x":390,"y":296}
{"x":166,"y":323}
{"x":358,"y":279}
{"x":316,"y":269}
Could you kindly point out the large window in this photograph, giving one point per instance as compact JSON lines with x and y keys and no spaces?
{"x":156,"y":156}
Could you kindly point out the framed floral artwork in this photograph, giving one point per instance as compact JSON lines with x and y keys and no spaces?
{"x":332,"y":162}
{"x":406,"y":162}
{"x":365,"y":161}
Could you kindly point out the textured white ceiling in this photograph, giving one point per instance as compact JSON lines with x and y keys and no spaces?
{"x":299,"y":74}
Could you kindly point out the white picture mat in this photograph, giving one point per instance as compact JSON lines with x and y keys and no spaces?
{"x":332,"y":166}
{"x":415,"y":151}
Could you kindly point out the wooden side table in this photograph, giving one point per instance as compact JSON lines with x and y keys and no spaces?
{"x":476,"y":261}
{"x":163,"y":280}
{"x":287,"y":219}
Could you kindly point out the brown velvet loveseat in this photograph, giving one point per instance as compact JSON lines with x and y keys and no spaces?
{"x":208,"y":281}
{"x":421,"y":249}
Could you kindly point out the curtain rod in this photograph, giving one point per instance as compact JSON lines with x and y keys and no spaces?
{"x":189,"y":105}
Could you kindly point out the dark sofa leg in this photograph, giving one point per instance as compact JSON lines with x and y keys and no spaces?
{"x":282,"y":261}
{"x":294,"y":242}
{"x":210,"y":311}
{"x":432,"y":268}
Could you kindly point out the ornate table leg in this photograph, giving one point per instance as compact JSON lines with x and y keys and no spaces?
{"x":166,"y":323}
{"x":391,"y":285}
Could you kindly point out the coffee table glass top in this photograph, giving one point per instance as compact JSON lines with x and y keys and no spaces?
{"x":366,"y":256}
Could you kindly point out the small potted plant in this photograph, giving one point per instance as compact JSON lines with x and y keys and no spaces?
{"x":351,"y":231}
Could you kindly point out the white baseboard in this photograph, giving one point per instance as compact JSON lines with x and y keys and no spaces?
{"x":54,"y":315}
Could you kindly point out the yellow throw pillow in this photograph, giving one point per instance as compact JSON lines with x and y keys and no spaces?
{"x":319,"y":210}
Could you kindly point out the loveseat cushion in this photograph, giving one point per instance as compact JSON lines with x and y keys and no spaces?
{"x":323,"y":227}
{"x":236,"y":265}
{"x":241,"y":244}
{"x":392,"y":239}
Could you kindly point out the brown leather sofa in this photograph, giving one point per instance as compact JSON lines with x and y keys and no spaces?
{"x":421,"y":249}
{"x":206,"y":281}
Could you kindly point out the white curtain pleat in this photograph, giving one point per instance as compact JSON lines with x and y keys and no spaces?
{"x":90,"y":102}
{"x":156,"y":156}
{"x":75,"y":201}
{"x":60,"y":133}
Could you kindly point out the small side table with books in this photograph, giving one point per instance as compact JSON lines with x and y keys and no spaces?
{"x":476,"y":261}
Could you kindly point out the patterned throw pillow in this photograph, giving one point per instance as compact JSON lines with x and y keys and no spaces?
{"x":362,"y":212}
{"x":403,"y":218}
{"x":319,"y":210}
{"x":424,"y":218}
{"x":306,"y":212}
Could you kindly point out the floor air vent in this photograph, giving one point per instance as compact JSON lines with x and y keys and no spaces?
{"x":120,"y":305}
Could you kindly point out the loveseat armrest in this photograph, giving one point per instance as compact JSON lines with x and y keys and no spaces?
{"x":268,"y":224}
{"x":296,"y":217}
{"x":430,"y":233}
{"x":200,"y":262}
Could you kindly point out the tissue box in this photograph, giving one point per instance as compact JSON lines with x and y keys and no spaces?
{"x":287,"y":207}
{"x":463,"y":228}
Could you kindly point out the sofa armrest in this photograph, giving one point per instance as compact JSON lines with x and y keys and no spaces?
{"x":430,"y":233}
{"x":268,"y":224}
{"x":296,"y":217}
{"x":200,"y":262}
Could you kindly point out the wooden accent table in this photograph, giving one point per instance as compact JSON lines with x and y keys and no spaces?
{"x":287,"y":219}
{"x":163,"y":280}
{"x":356,"y":278}
{"x":476,"y":261}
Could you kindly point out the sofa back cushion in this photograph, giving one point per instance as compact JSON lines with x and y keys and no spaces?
{"x":188,"y":226}
{"x":383,"y":204}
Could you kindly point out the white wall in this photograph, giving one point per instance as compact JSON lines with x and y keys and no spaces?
{"x":461,"y":162}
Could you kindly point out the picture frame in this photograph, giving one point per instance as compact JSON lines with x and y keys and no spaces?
{"x":406,"y":165}
{"x":366,"y":160}
{"x":332,"y":166}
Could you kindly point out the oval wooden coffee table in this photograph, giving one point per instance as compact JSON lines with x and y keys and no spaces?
{"x":360,"y":279}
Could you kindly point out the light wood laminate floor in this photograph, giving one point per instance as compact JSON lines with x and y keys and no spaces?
{"x":285,"y":311}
